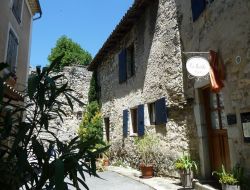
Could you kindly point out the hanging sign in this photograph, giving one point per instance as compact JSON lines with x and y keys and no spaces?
{"x":198,"y":66}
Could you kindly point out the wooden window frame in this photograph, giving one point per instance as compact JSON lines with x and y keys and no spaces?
{"x":134,"y":118}
{"x":151,"y":112}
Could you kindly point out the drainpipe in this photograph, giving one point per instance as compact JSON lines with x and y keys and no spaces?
{"x":36,"y":18}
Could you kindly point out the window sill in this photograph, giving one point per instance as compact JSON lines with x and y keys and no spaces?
{"x":133,"y":135}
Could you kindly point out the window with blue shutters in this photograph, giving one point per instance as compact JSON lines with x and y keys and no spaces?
{"x":126,"y":63}
{"x":198,"y":6}
{"x":157,"y":112}
{"x":122,"y":66}
{"x":160,"y":112}
{"x":140,"y":120}
{"x":134,"y":116}
{"x":125,"y":123}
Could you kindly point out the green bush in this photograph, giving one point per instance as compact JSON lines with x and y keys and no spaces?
{"x":91,"y":125}
{"x":226,"y":177}
{"x":185,"y":163}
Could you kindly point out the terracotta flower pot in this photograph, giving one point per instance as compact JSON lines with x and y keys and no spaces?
{"x":147,"y":171}
{"x":230,"y":187}
{"x":186,"y":177}
{"x":105,"y":162}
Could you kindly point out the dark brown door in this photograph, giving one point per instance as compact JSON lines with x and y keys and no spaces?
{"x":217,"y":134}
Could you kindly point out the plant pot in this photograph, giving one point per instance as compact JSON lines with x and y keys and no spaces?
{"x":186,"y":177}
{"x":230,"y":187}
{"x":105,"y":162}
{"x":147,"y":171}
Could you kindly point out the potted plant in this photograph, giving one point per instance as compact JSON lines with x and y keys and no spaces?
{"x":228,"y":180}
{"x":146,"y":146}
{"x":185,"y":166}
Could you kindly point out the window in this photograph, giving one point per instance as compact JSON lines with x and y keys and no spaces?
{"x":198,"y":6}
{"x":12,"y":51}
{"x":151,"y":111}
{"x":17,"y":9}
{"x":157,"y":112}
{"x":107,"y":128}
{"x":134,"y":120}
{"x":130,"y":61}
{"x":126,"y":63}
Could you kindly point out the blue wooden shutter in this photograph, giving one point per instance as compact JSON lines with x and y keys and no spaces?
{"x":198,"y":7}
{"x":140,"y":120}
{"x":125,"y":123}
{"x":122,"y":66}
{"x":160,"y":111}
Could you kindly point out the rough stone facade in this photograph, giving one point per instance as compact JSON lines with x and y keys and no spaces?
{"x":78,"y":80}
{"x":158,"y":73}
{"x":223,"y":26}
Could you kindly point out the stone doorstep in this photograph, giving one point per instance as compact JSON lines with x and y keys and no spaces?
{"x":199,"y":186}
{"x":156,"y":183}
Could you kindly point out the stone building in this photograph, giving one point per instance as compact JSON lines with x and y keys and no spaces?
{"x":16,"y":18}
{"x":145,"y":86}
{"x":139,"y":71}
{"x":222,"y":119}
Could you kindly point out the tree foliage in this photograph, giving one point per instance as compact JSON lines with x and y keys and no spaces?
{"x":91,"y":125}
{"x":93,"y":88}
{"x":70,"y":53}
{"x":26,"y":158}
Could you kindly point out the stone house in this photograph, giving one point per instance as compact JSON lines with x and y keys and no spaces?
{"x":139,"y":72}
{"x":222,"y":119}
{"x":145,"y":86}
{"x":16,"y":18}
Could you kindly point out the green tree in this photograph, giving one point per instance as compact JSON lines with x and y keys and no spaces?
{"x":70,"y":53}
{"x":93,"y":88}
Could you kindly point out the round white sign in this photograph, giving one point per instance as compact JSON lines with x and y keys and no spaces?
{"x":198,"y":66}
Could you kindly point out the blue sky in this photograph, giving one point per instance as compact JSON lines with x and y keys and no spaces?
{"x":87,"y":22}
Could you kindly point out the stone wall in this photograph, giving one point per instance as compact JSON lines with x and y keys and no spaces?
{"x":78,"y":80}
{"x":158,"y":73}
{"x":224,"y":26}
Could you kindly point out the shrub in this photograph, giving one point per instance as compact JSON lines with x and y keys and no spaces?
{"x":25,"y":155}
{"x":91,"y":125}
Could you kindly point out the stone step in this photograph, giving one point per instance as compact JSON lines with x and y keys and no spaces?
{"x":200,"y":186}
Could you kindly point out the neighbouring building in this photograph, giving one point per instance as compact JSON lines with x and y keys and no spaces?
{"x":16,"y":18}
{"x":222,"y":119}
{"x":140,"y":76}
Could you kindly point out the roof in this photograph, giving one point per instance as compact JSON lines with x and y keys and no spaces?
{"x":125,"y":25}
{"x":35,"y":7}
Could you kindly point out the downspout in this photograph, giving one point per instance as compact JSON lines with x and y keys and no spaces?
{"x":40,"y":15}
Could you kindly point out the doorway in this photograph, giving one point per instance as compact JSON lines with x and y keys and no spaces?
{"x":217,"y":133}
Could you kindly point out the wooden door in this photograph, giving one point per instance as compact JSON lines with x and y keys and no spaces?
{"x":217,"y":134}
